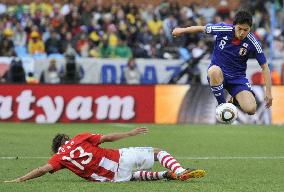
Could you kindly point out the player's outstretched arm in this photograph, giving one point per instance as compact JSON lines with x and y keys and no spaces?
{"x":117,"y":136}
{"x":38,"y":172}
{"x":178,"y":31}
{"x":267,"y":81}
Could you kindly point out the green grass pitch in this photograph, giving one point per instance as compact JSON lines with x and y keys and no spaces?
{"x":236,"y":158}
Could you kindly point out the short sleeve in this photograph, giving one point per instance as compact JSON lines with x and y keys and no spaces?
{"x":218,"y":29}
{"x":257,"y":50}
{"x":261,"y":59}
{"x":208,"y":28}
{"x":95,"y":139}
{"x":54,"y":161}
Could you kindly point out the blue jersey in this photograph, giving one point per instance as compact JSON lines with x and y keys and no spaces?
{"x":232,"y":54}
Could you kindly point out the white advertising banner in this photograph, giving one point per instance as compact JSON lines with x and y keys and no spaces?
{"x":110,"y":71}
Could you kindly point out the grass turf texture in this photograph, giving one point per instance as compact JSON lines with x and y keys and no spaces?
{"x":186,"y":142}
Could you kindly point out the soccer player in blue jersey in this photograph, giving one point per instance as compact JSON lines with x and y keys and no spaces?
{"x":227,"y":70}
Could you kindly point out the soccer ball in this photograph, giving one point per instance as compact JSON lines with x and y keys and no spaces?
{"x":226,"y":113}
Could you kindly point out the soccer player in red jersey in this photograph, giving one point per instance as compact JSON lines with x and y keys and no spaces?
{"x":83,"y":156}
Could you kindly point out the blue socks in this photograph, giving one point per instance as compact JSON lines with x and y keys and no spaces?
{"x":218,"y":92}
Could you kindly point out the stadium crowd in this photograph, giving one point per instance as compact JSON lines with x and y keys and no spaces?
{"x":88,"y":28}
{"x":92,"y":29}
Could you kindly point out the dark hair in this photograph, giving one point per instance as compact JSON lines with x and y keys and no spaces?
{"x":58,"y":141}
{"x":243,"y":17}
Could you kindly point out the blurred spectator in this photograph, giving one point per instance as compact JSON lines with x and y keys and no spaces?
{"x":44,"y":7}
{"x":67,"y":41}
{"x":56,"y":20}
{"x":51,"y":74}
{"x":223,"y":10}
{"x":278,"y":45}
{"x":155,"y":25}
{"x":147,"y":11}
{"x":82,"y":46}
{"x":3,"y":7}
{"x":71,"y":72}
{"x":6,"y":44}
{"x":131,"y":72}
{"x":47,"y":33}
{"x":105,"y":51}
{"x":168,"y":25}
{"x":16,"y":73}
{"x":103,"y":24}
{"x":112,"y":35}
{"x":139,"y":51}
{"x":53,"y":44}
{"x":20,"y":36}
{"x":74,"y":21}
{"x":162,"y":10}
{"x":66,"y":8}
{"x":94,"y":42}
{"x":21,"y":9}
{"x":122,"y":50}
{"x":36,"y":45}
{"x":174,"y":7}
{"x":85,"y":11}
{"x":207,"y":12}
{"x":144,"y":39}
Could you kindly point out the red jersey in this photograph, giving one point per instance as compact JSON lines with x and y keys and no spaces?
{"x":83,"y":156}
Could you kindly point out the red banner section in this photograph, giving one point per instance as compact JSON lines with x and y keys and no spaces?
{"x":77,"y":103}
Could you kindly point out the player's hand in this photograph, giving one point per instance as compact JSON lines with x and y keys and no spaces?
{"x":177,"y":32}
{"x":139,"y":130}
{"x":268,"y":99}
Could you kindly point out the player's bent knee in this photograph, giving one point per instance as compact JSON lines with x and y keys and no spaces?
{"x":215,"y":74}
{"x":250,"y":110}
{"x":247,"y":102}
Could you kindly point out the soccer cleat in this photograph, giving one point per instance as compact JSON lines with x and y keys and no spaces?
{"x":191,"y":173}
{"x":169,"y":175}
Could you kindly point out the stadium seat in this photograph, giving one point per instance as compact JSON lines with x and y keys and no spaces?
{"x":39,"y":56}
{"x":56,"y":56}
{"x":21,"y":51}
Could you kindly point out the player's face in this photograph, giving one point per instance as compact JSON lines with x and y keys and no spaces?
{"x":241,"y":31}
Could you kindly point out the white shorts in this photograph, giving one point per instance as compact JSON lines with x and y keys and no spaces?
{"x":133,"y":159}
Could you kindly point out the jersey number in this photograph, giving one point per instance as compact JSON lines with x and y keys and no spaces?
{"x":82,"y":154}
{"x":222,"y":44}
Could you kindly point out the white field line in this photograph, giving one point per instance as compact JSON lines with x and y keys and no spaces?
{"x":233,"y":158}
{"x":180,"y":158}
{"x":23,"y":157}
